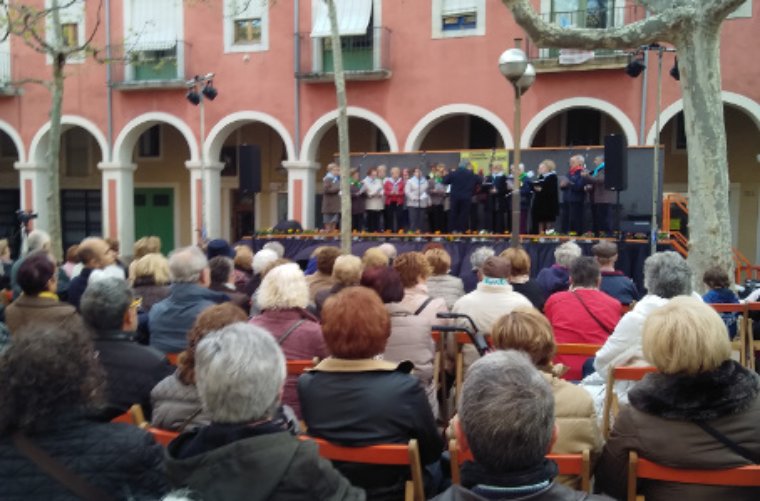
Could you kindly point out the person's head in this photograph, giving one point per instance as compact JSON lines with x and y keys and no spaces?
{"x":347,"y":270}
{"x":211,"y":319}
{"x":262,"y":259}
{"x":188,"y":265}
{"x":565,"y":254}
{"x":274,"y":264}
{"x":372,"y":172}
{"x":351,"y":336}
{"x":506,"y":413}
{"x":153,"y":266}
{"x":354,"y":173}
{"x":496,"y":168}
{"x":577,"y":160}
{"x":479,"y":256}
{"x":37,"y":274}
{"x":326,"y":257}
{"x":686,"y":336}
{"x":382,"y":171}
{"x":47,"y":371}
{"x":417,"y":172}
{"x":219,"y":247}
{"x":243,"y":259}
{"x":283,"y":287}
{"x":276,"y":246}
{"x":95,"y":252}
{"x":395,"y":172}
{"x":439,"y":261}
{"x":114,"y":245}
{"x":220,"y":270}
{"x":495,"y":267}
{"x":107,"y":305}
{"x":405,"y":173}
{"x":386,"y":281}
{"x":546,"y":167}
{"x":519,"y":261}
{"x":716,"y":278}
{"x":71,"y":254}
{"x":526,"y":330}
{"x":389,"y":250}
{"x":240,"y":372}
{"x":145,"y":246}
{"x":584,"y":272}
{"x":38,"y":240}
{"x":374,"y":257}
{"x":605,"y":253}
{"x":598,"y":160}
{"x":333,"y":169}
{"x":667,"y":275}
{"x":413,"y":268}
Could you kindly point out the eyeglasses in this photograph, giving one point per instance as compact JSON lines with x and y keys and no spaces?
{"x":136,"y":302}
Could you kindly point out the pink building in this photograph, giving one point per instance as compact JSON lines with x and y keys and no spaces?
{"x":422,"y":75}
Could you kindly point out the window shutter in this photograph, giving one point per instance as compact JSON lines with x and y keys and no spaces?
{"x":153,"y":24}
{"x":353,"y":17}
{"x":452,"y":7}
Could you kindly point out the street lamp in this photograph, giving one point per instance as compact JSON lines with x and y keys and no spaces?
{"x":514,"y":65}
{"x":199,"y":89}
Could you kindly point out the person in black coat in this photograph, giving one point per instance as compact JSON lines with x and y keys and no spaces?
{"x":496,"y":183}
{"x":51,"y":383}
{"x":463,"y":183}
{"x":95,"y":254}
{"x":546,"y":198}
{"x":132,"y":369}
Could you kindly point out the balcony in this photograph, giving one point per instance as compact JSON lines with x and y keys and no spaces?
{"x":7,"y":89}
{"x":365,"y":57}
{"x":554,"y":60}
{"x":150,"y":67}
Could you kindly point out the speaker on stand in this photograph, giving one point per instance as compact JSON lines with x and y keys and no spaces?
{"x":616,"y":170}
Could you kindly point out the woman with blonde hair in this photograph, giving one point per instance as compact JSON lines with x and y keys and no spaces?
{"x":151,"y":279}
{"x":519,"y":276}
{"x":701,"y":410}
{"x":243,"y":267}
{"x":143,"y":247}
{"x":440,"y":283}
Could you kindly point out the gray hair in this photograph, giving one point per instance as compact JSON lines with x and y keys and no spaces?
{"x":667,"y":275}
{"x":566,"y":253}
{"x":585,"y":272}
{"x":186,"y":264}
{"x":239,"y":371}
{"x":507,"y":412}
{"x":38,"y":240}
{"x":262,"y":259}
{"x":389,"y":250}
{"x":478,"y":258}
{"x":105,"y":302}
{"x":277,"y":247}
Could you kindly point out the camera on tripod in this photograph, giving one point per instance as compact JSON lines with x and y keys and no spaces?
{"x":24,"y":217}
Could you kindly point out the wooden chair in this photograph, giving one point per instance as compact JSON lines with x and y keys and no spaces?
{"x":752,"y":344}
{"x":626,"y":373}
{"x":743,"y":476}
{"x":740,"y":342}
{"x":133,"y":416}
{"x":582,"y":349}
{"x":163,"y":437}
{"x":569,"y":464}
{"x":385,"y":454}
{"x":298,"y":367}
{"x":173,"y":358}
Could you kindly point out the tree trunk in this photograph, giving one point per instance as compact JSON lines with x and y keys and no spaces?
{"x":343,"y":148}
{"x":709,"y":221}
{"x":54,"y":134}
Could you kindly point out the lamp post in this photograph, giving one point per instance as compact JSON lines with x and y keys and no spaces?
{"x":199,"y":89}
{"x":513,"y":64}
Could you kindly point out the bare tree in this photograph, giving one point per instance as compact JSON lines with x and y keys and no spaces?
{"x":693,"y":28}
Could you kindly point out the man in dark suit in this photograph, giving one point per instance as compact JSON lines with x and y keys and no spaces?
{"x":462,"y":182}
{"x":497,"y":198}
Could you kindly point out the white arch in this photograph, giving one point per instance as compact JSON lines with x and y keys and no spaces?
{"x":38,"y":149}
{"x":219,"y":133}
{"x":750,"y":106}
{"x":423,"y":126}
{"x":16,"y":138}
{"x":127,"y":138}
{"x":542,"y":116}
{"x":317,"y":130}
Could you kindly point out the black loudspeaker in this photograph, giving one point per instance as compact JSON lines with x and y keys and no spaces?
{"x":615,"y":162}
{"x":249,"y":161}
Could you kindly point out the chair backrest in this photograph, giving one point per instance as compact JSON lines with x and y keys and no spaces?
{"x":584,"y":349}
{"x":743,"y":476}
{"x":163,"y":437}
{"x":383,"y":454}
{"x":173,"y":358}
{"x":622,"y":373}
{"x":134,"y":416}
{"x":298,"y":367}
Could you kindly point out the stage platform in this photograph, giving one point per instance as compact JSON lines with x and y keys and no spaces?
{"x":632,"y":252}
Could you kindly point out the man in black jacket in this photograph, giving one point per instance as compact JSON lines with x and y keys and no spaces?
{"x":463,"y":182}
{"x":496,"y":183}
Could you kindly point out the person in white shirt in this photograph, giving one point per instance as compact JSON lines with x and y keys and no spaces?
{"x":374,"y":203}
{"x":417,"y":200}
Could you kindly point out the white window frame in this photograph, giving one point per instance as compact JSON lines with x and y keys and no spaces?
{"x":744,"y":11}
{"x":74,"y":14}
{"x":546,"y":11}
{"x":437,"y":21}
{"x":5,"y":60}
{"x":231,"y":14}
{"x":179,"y":34}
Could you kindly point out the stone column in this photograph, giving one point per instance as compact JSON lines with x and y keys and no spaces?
{"x":301,"y":191}
{"x":212,"y":195}
{"x":117,"y":202}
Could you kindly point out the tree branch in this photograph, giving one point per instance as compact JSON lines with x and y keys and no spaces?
{"x":92,"y":33}
{"x":719,"y":10}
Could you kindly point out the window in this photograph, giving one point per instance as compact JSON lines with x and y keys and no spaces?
{"x":742,"y":11}
{"x":458,"y":18}
{"x":679,"y":138}
{"x":153,"y":36}
{"x":76,"y":148}
{"x":246,"y":25}
{"x":70,"y":34}
{"x":72,"y":25}
{"x":5,"y":56}
{"x":359,"y":31}
{"x":149,"y":143}
{"x":583,"y":13}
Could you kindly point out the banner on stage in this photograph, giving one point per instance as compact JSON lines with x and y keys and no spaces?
{"x":481,"y":160}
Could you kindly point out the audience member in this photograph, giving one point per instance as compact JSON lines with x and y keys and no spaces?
{"x":374,"y":257}
{"x":347,"y":271}
{"x":132,"y":370}
{"x":243,"y":267}
{"x":370,"y":401}
{"x":477,"y":258}
{"x":95,"y":254}
{"x":219,"y":247}
{"x":283,"y":297}
{"x":322,"y":279}
{"x":171,"y":319}
{"x":519,"y":276}
{"x":414,"y":271}
{"x":506,"y":419}
{"x":556,"y":277}
{"x":143,"y":247}
{"x":151,"y":279}
{"x":719,"y":284}
{"x":614,"y":282}
{"x":277,"y":247}
{"x":38,"y":240}
{"x":389,"y":250}
{"x":261,"y":260}
{"x":701,"y":410}
{"x":51,"y":383}
{"x":247,"y":451}
{"x":72,"y":259}
{"x":440,"y":283}
{"x":584,"y":314}
{"x":222,"y":276}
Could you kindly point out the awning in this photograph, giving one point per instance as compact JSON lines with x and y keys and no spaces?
{"x":153,"y":25}
{"x":454,"y":7}
{"x":353,"y":17}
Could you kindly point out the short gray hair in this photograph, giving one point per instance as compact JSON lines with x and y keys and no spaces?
{"x":667,"y":275}
{"x":38,"y":240}
{"x":478,"y":258}
{"x":566,"y":253}
{"x":239,"y":371}
{"x":262,"y":259}
{"x":105,"y":302}
{"x":507,"y":412}
{"x":186,"y":264}
{"x":277,"y":247}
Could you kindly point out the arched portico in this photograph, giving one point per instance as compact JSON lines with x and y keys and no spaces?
{"x":426,"y":123}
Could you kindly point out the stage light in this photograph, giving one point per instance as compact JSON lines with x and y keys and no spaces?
{"x":209,"y":91}
{"x":675,"y":72}
{"x":635,"y":67}
{"x":193,"y":97}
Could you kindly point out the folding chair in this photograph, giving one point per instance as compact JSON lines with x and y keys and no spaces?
{"x":569,"y":464}
{"x":627,"y":373}
{"x":163,"y":437}
{"x":743,"y":476}
{"x":173,"y":358}
{"x":581,"y":349}
{"x":740,"y":341}
{"x":384,"y":454}
{"x":298,"y":367}
{"x":752,"y":344}
{"x":133,"y":416}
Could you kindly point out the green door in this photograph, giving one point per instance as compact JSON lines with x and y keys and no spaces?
{"x":154,"y":215}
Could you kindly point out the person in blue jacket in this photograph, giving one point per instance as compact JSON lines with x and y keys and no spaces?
{"x":576,"y":193}
{"x":717,"y":280}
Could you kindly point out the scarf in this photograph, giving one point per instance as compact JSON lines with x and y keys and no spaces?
{"x":575,"y":169}
{"x":48,"y":295}
{"x":598,"y":169}
{"x":515,"y":484}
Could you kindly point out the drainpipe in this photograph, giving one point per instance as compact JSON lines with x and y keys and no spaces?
{"x":297,"y":83}
{"x":109,"y":76}
{"x":644,"y":95}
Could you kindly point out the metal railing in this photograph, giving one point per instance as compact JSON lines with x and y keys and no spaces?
{"x":159,"y":64}
{"x":364,"y":56}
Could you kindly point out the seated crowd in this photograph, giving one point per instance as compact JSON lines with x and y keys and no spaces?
{"x":202,"y":339}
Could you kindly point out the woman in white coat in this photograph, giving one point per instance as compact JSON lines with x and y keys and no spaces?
{"x":417,"y":200}
{"x":374,"y":203}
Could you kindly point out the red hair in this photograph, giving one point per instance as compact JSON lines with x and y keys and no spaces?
{"x":355,"y":323}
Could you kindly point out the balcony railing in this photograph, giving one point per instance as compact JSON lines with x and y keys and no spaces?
{"x":153,"y":66}
{"x":7,"y":88}
{"x":558,"y":59}
{"x":365,"y":57}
